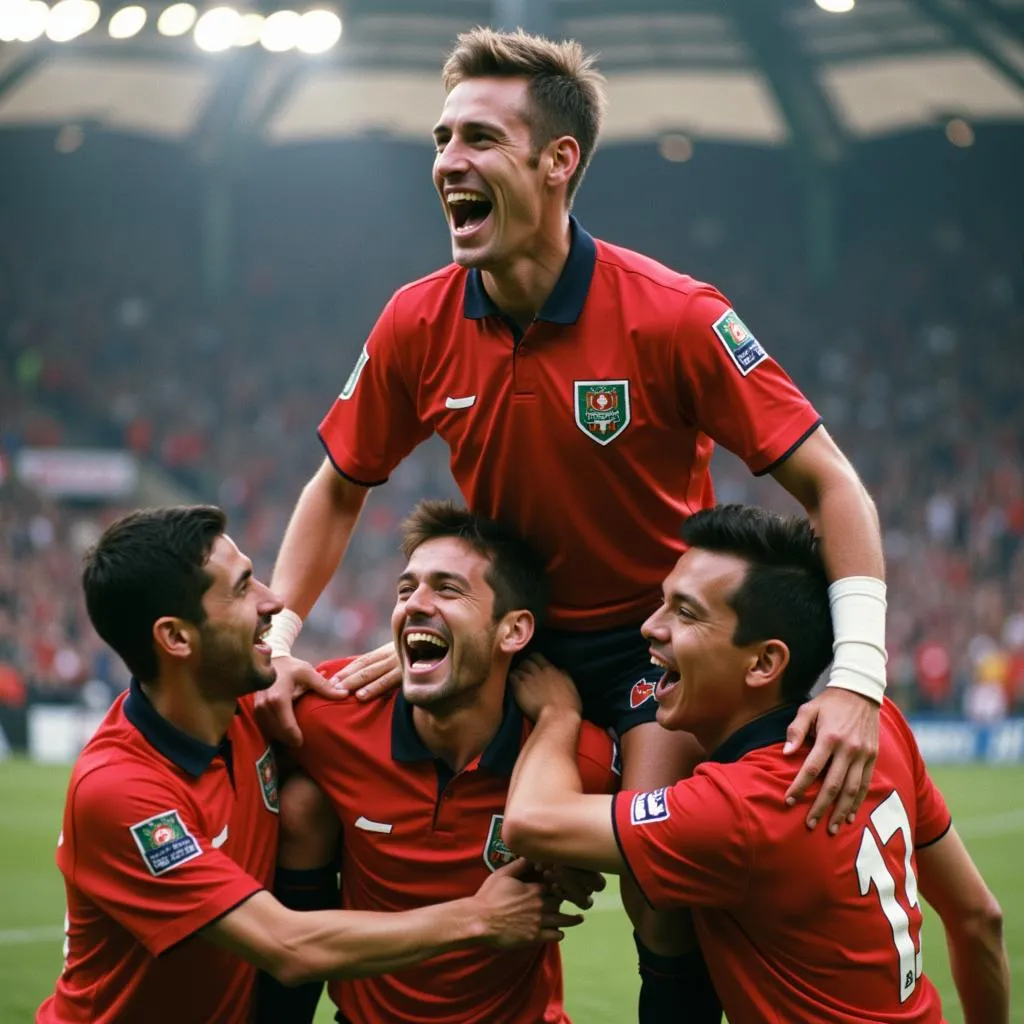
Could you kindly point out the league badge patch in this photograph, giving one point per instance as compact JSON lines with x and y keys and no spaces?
{"x":743,"y":348}
{"x":353,"y":377}
{"x":165,"y":842}
{"x":602,"y":408}
{"x":266,"y":770}
{"x":643,"y":690}
{"x":649,"y":807}
{"x":496,"y":853}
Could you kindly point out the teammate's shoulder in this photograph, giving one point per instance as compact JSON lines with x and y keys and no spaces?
{"x":431,"y":286}
{"x":619,"y":260}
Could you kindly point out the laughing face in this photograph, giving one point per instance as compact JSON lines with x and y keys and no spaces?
{"x":706,"y":676}
{"x":489,"y":176}
{"x":233,"y":656}
{"x":444,"y":628}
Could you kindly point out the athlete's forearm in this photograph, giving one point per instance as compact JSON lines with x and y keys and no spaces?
{"x":977,"y":957}
{"x":316,"y":538}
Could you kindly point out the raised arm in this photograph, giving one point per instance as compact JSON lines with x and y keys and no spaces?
{"x":973,"y":920}
{"x":298,"y":947}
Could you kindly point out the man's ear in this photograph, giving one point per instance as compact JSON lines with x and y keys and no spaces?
{"x":768,"y":662}
{"x":564,"y":157}
{"x":174,"y":638}
{"x":515,"y":631}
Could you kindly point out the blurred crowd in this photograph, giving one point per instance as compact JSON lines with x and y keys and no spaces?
{"x":913,"y":356}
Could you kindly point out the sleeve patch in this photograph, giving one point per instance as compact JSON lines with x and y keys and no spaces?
{"x":647,"y":808}
{"x":353,"y":378}
{"x":164,"y":842}
{"x":743,"y":348}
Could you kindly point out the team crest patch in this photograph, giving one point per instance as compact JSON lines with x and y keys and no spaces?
{"x":602,"y":408}
{"x":643,"y":690}
{"x":496,"y":853}
{"x":164,"y":842}
{"x":353,"y":377}
{"x":266,"y":770}
{"x":649,"y":807}
{"x":743,"y":348}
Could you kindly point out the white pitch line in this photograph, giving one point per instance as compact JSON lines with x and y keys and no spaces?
{"x":23,"y":936}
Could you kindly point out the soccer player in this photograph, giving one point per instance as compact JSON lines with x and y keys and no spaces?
{"x":796,"y":925}
{"x":581,"y":388}
{"x":171,"y":823}
{"x":417,"y":780}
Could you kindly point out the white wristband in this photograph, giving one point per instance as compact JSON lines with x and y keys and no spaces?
{"x":284,"y":628}
{"x":858,"y":622}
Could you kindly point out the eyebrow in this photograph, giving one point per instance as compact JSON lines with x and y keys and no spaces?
{"x":468,"y":126}
{"x":435,"y":577}
{"x":242,"y":580}
{"x":681,"y":597}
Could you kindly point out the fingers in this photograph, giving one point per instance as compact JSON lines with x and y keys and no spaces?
{"x":831,"y":787}
{"x":516,"y":869}
{"x":559,"y":921}
{"x":814,"y":764}
{"x":369,"y":675}
{"x":849,"y":790}
{"x":799,"y":728}
{"x":276,"y":717}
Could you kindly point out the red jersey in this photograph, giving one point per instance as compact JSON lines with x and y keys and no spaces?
{"x":604,"y":411}
{"x":417,"y":834}
{"x":795,"y":925}
{"x":162,"y":835}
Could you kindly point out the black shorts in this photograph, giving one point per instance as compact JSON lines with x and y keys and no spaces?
{"x":611,"y":668}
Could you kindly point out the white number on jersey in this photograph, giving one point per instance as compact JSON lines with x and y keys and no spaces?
{"x":888,"y":818}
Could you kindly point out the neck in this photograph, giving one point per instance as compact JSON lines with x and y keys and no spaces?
{"x":461,"y":733}
{"x":521,"y":287}
{"x":714,"y":734}
{"x":181,"y":703}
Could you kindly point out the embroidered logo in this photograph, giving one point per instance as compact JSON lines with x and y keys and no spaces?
{"x":643,"y":690}
{"x":164,"y":842}
{"x":266,"y":771}
{"x":743,"y":348}
{"x":602,"y":408}
{"x":496,"y":853}
{"x":649,"y":807}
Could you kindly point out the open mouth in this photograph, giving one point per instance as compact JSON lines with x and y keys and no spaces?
{"x":668,"y":680}
{"x":424,"y":650}
{"x":259,"y":638}
{"x":468,"y":211}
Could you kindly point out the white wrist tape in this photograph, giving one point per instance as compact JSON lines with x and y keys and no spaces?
{"x":858,"y":622}
{"x":284,"y":628}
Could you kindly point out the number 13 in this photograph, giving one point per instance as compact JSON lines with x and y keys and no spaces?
{"x":888,"y":818}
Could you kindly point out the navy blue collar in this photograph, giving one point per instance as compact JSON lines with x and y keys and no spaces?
{"x":189,"y":754}
{"x":565,"y":303}
{"x":764,"y":731}
{"x":499,"y":756}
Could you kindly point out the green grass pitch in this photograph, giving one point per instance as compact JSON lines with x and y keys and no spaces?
{"x":600,"y":976}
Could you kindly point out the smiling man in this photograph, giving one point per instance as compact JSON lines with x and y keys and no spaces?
{"x":796,"y":925}
{"x":581,"y":388}
{"x":170,"y":827}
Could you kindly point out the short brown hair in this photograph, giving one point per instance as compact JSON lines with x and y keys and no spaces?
{"x":565,"y":88}
{"x":516,"y":574}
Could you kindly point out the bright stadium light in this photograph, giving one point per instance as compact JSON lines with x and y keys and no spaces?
{"x":176,"y":20}
{"x":836,"y":6}
{"x":22,"y":21}
{"x":216,"y":29}
{"x":250,"y":26}
{"x":960,"y":133}
{"x":319,"y":30}
{"x":127,"y":22}
{"x":280,"y":31}
{"x":70,"y":19}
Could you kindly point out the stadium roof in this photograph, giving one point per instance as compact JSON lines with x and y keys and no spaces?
{"x":756,"y":71}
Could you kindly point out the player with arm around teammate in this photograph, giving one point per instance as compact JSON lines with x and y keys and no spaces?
{"x":170,"y":828}
{"x":795,"y":925}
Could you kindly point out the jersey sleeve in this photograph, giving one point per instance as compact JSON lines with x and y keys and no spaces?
{"x":137,"y":852}
{"x":374,"y":422}
{"x":933,"y":817}
{"x":597,"y":758}
{"x":732,"y":390}
{"x":687,"y":845}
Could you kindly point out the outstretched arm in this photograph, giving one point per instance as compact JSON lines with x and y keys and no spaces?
{"x":547,"y":816}
{"x":845,"y":717}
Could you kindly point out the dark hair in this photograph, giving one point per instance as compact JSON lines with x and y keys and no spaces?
{"x":565,"y":88}
{"x":784,"y":594}
{"x":147,"y":565}
{"x":516,"y":573}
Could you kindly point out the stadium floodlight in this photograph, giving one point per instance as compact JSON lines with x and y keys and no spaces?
{"x":69,"y":19}
{"x":176,"y":20}
{"x":280,"y":31}
{"x":216,"y":29}
{"x":127,"y":22}
{"x":250,"y":25}
{"x":836,"y":6}
{"x":22,"y":21}
{"x":319,"y":30}
{"x":675,"y":147}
